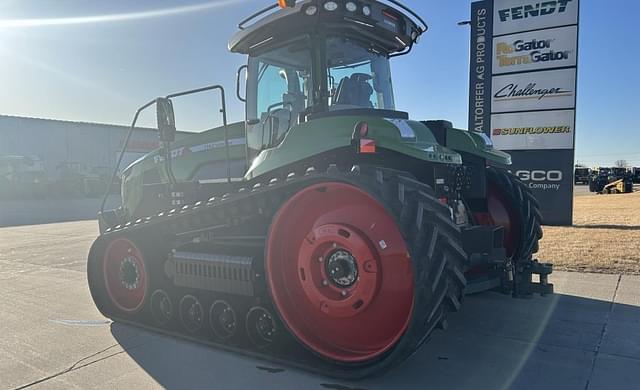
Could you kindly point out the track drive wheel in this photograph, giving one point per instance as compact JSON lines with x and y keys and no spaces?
{"x":363,"y":270}
{"x":512,"y":205}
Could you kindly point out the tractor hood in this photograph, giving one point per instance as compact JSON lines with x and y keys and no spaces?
{"x":190,"y":155}
{"x":471,"y":142}
{"x":322,"y":135}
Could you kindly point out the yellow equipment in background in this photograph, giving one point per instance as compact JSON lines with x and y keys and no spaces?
{"x":617,"y":187}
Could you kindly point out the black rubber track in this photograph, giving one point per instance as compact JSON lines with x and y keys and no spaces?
{"x":525,"y":205}
{"x":434,"y":242}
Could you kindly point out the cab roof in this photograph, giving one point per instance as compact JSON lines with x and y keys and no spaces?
{"x":384,"y":25}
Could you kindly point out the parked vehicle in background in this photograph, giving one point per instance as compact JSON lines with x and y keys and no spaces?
{"x":612,"y":180}
{"x":619,"y":173}
{"x":582,"y":175}
{"x":636,"y":175}
{"x":22,"y":177}
{"x":75,"y":179}
{"x":104,"y":176}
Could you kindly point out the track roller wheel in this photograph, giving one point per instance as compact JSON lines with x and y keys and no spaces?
{"x":222,"y":319}
{"x":337,"y":263}
{"x":261,"y":327}
{"x":161,"y":307}
{"x":125,"y":276}
{"x":191,"y":313}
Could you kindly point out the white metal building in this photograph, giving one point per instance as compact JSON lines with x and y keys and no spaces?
{"x":55,"y":141}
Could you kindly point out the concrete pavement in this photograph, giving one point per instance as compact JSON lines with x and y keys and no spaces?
{"x":34,"y":211}
{"x":587,"y":336}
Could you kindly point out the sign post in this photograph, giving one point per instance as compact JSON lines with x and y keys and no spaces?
{"x":524,"y":57}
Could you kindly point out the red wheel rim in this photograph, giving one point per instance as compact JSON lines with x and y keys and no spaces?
{"x":125,"y":276}
{"x":340,"y":311}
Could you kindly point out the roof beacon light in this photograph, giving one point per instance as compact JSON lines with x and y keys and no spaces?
{"x":286,"y":3}
{"x":351,"y":6}
{"x":331,"y":6}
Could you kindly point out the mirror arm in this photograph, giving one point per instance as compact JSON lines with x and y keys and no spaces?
{"x":166,"y":149}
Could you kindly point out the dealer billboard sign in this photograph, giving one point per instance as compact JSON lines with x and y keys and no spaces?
{"x":524,"y":57}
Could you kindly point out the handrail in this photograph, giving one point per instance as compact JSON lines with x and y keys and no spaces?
{"x":124,"y":150}
{"x":412,"y":13}
{"x":243,"y":67}
{"x":242,"y":26}
{"x":223,"y":110}
{"x":423,"y":28}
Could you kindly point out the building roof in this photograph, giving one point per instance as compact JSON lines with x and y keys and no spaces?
{"x":80,"y":123}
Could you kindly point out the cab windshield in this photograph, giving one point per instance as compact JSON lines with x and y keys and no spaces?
{"x":283,"y":86}
{"x":358,"y":77}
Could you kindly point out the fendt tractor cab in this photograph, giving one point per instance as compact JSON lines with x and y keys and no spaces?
{"x":328,"y":230}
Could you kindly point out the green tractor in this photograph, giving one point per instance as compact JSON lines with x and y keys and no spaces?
{"x":77,"y":180}
{"x":22,"y":177}
{"x":327,"y":231}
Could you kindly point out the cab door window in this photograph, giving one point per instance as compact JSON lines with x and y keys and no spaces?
{"x":278,"y":90}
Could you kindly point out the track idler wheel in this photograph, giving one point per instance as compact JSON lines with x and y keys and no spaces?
{"x":223,"y":320}
{"x":191,"y":313}
{"x":125,"y":275}
{"x":261,"y":327}
{"x":161,"y":308}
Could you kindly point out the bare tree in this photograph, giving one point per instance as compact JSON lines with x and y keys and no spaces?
{"x":621,"y":164}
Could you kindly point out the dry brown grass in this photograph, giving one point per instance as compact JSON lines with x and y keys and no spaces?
{"x":605,"y":237}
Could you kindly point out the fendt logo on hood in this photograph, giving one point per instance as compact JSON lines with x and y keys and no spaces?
{"x":533,"y":10}
{"x":522,"y":52}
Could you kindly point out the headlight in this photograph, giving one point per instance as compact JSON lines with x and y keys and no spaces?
{"x":311,"y":10}
{"x":331,"y":6}
{"x":366,"y":10}
{"x":351,"y":6}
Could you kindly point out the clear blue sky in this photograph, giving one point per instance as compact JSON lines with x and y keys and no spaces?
{"x":98,"y":60}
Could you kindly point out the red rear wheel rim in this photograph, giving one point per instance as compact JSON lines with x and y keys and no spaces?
{"x":125,"y":275}
{"x":340,"y":273}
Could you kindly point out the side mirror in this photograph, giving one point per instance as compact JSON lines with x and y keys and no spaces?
{"x":166,"y":120}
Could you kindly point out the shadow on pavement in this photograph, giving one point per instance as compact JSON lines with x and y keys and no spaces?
{"x":36,"y":212}
{"x":495,"y":342}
